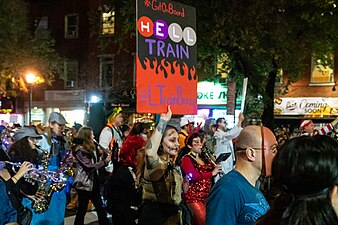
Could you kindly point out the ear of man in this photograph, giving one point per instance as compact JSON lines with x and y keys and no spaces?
{"x":250,"y":154}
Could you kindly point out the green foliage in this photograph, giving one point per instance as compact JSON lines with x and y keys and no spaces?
{"x":265,"y":36}
{"x":22,"y":50}
{"x":260,"y":38}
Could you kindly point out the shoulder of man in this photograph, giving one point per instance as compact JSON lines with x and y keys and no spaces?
{"x":108,"y":128}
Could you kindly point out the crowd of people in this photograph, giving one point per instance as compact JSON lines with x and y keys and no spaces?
{"x":168,"y":174}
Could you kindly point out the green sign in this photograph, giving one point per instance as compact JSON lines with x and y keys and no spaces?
{"x":210,"y":93}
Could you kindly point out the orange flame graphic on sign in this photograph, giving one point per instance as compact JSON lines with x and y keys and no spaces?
{"x":162,"y":83}
{"x":164,"y":68}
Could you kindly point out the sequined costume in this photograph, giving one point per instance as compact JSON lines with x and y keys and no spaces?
{"x":199,"y":186}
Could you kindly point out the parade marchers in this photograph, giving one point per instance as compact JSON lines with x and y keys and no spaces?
{"x":149,"y":186}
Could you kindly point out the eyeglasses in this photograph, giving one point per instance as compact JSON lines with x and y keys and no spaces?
{"x":273,"y":149}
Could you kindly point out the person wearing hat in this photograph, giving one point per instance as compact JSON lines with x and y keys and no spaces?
{"x":186,"y":125}
{"x":22,"y":151}
{"x":24,"y":146}
{"x":307,"y":128}
{"x":111,"y":136}
{"x":56,"y":145}
{"x":11,"y":211}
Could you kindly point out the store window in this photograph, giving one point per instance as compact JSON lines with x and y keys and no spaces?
{"x":72,"y":25}
{"x":108,"y":22}
{"x":322,"y":71}
{"x":107,"y":71}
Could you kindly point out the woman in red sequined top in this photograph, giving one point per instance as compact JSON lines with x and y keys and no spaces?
{"x":199,"y":172}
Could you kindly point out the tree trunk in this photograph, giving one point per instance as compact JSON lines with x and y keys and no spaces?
{"x":268,"y":113}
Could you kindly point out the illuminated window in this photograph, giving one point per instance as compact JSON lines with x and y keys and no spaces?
{"x":72,"y":25}
{"x":108,"y":22}
{"x":322,"y":73}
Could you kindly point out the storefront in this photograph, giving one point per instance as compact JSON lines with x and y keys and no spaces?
{"x":71,"y":104}
{"x":9,"y":114}
{"x":290,"y":111}
{"x":212,"y":101}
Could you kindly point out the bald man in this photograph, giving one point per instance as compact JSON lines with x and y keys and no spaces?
{"x":234,"y":200}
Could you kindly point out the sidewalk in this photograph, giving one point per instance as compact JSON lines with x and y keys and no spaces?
{"x":90,"y":219}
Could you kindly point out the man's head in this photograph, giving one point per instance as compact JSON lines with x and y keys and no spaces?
{"x":257,"y":146}
{"x":307,"y":126}
{"x":115,"y":117}
{"x":186,"y":124}
{"x":221,"y":123}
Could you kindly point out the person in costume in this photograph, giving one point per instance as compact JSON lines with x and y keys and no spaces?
{"x":308,"y":128}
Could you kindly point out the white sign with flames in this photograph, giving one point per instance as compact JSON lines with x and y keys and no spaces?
{"x":306,"y":106}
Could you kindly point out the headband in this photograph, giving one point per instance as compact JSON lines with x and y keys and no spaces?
{"x":115,"y":112}
{"x":305,"y":123}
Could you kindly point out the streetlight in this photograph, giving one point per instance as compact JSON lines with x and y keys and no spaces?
{"x":30,"y":79}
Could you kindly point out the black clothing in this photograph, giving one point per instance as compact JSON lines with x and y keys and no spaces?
{"x":124,"y":196}
{"x":94,"y":196}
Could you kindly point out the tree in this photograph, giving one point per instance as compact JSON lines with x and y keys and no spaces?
{"x":263,"y":37}
{"x":23,"y":49}
{"x":259,"y":38}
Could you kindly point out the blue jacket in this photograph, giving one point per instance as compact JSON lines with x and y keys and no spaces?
{"x":7,"y":213}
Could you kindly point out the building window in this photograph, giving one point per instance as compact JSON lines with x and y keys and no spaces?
{"x":72,"y":25}
{"x":107,"y":71}
{"x":322,"y":73}
{"x":42,"y":23}
{"x":108,"y":22}
{"x":71,"y":73}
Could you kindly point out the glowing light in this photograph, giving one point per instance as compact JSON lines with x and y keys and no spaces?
{"x":94,"y":99}
{"x":30,"y":78}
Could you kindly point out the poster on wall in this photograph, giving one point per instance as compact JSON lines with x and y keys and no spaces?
{"x":166,"y":57}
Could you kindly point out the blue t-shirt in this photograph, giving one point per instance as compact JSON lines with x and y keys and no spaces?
{"x":234,"y":201}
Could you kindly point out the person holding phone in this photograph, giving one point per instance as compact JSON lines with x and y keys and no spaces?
{"x":199,"y":170}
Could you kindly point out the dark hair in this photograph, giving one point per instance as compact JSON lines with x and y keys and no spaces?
{"x":219,"y":120}
{"x":191,"y":137}
{"x":306,"y":170}
{"x":21,"y":151}
{"x":124,"y":127}
{"x":138,"y":128}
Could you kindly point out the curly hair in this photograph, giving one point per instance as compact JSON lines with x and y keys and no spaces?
{"x":21,"y":151}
